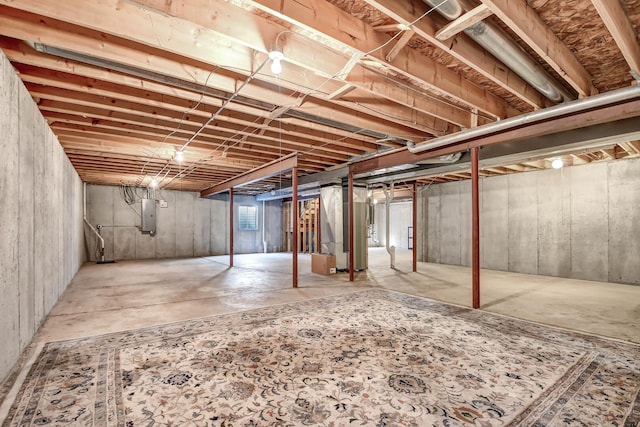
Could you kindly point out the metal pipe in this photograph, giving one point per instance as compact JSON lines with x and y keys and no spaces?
{"x":449,"y":9}
{"x":580,"y":105}
{"x":231,"y":227}
{"x":414,"y":220}
{"x":502,"y":46}
{"x":391,"y":250}
{"x":475,"y":229}
{"x":352,"y":267}
{"x":294,"y":214}
{"x":264,"y":231}
{"x":446,"y":159}
{"x":84,"y":217}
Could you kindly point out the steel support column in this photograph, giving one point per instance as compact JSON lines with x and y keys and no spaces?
{"x":231,"y":227}
{"x":351,"y":225}
{"x":295,"y":220}
{"x":475,"y":228}
{"x":414,"y":247}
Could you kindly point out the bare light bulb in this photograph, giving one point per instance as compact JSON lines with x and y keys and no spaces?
{"x":276,"y":56}
{"x":557,"y":163}
{"x":154,"y":183}
{"x":179,"y":156}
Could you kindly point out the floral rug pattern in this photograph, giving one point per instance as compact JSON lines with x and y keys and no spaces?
{"x":370,"y":358}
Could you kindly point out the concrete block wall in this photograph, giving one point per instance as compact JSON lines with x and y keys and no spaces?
{"x":189,"y":226}
{"x":579,"y":222}
{"x":41,"y":228}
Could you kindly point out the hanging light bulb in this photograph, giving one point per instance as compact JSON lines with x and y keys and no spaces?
{"x":276,"y":56}
{"x":557,"y":163}
{"x":154,"y":183}
{"x":179,"y":156}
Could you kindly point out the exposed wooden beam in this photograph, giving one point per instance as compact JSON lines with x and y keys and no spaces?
{"x":631,"y":147}
{"x":377,"y":83}
{"x":276,"y":167}
{"x":329,"y":65}
{"x":464,"y":50}
{"x":463,"y":22}
{"x":399,"y":45}
{"x":20,"y":53}
{"x":330,"y":22}
{"x":339,"y":93}
{"x":389,"y":28}
{"x":528,"y":25}
{"x":627,"y":109}
{"x":23,"y":25}
{"x":618,"y":24}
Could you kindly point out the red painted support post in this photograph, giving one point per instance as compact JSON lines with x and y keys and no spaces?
{"x":231,"y":227}
{"x":415,"y":226}
{"x":475,"y":228}
{"x":294,"y":214}
{"x":319,"y":227}
{"x":351,"y":225}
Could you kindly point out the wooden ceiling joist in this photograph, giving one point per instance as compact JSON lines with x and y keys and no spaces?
{"x":330,"y":22}
{"x":463,"y":22}
{"x":463,"y":50}
{"x":124,"y":85}
{"x":268,"y":170}
{"x":617,"y":22}
{"x":528,"y":25}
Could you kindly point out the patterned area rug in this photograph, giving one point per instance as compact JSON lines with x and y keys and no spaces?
{"x":373,"y":358}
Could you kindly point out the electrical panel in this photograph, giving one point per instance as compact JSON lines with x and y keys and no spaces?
{"x":148,"y":216}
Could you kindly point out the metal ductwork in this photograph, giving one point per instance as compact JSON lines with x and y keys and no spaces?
{"x":596,"y":101}
{"x":500,"y":45}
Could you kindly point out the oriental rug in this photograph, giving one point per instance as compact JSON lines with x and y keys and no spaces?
{"x":370,"y":358}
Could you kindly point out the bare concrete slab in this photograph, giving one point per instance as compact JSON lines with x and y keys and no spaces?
{"x":133,"y":294}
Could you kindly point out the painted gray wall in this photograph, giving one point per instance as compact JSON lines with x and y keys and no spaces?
{"x":580,"y":222}
{"x":41,"y":225}
{"x":190,"y":226}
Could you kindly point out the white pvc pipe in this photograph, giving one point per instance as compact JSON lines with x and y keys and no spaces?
{"x":596,"y":101}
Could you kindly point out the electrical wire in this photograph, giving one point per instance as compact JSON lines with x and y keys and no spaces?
{"x":383,"y":45}
{"x":214,"y":115}
{"x":300,"y":100}
{"x":180,"y":122}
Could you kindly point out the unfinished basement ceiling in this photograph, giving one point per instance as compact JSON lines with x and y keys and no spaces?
{"x":125,"y":85}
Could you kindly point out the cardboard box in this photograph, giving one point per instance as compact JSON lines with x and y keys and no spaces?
{"x":323,"y":264}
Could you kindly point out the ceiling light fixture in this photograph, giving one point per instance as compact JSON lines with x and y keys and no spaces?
{"x":276,"y":56}
{"x":557,"y":163}
{"x":154,"y":183}
{"x":179,"y":156}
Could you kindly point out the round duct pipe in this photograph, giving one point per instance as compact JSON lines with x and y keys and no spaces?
{"x":597,"y":101}
{"x":450,"y":9}
{"x":500,"y":45}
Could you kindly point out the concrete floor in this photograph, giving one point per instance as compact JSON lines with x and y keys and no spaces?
{"x":133,"y":294}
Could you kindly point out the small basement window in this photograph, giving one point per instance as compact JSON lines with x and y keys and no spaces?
{"x":248,"y":218}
